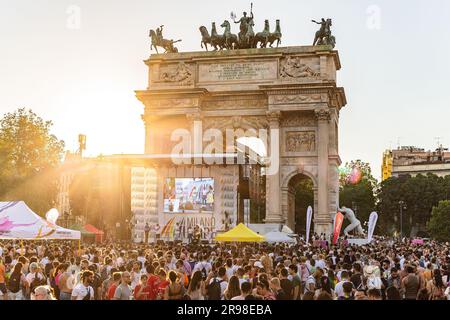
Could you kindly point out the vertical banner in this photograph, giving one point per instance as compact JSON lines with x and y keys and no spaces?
{"x":309,"y":213}
{"x":338,"y":220}
{"x":372,"y":223}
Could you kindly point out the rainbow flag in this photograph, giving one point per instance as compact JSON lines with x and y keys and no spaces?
{"x":168,"y":229}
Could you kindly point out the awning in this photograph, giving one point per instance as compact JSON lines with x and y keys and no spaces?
{"x":276,"y":237}
{"x":91,"y":228}
{"x":18,"y":221}
{"x":240,"y":233}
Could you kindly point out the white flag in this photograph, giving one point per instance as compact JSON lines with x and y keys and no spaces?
{"x":372,"y":223}
{"x":309,"y":213}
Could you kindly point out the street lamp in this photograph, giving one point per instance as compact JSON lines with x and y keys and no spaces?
{"x":402,"y":205}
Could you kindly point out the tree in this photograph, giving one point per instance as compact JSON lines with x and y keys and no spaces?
{"x":419,"y":194}
{"x":29,"y":155}
{"x":439,"y":226}
{"x":357,"y":189}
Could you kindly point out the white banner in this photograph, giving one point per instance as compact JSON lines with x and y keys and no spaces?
{"x":372,"y":223}
{"x":309,"y":213}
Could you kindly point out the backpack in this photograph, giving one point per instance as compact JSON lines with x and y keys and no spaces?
{"x":88,"y":296}
{"x":104,"y":274}
{"x":14,"y":283}
{"x":361,"y":286}
{"x":204,"y":273}
{"x":215,"y":290}
{"x":37,"y":282}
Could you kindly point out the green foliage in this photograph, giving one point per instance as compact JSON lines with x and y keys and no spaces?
{"x":360,"y":195}
{"x":439,"y":226}
{"x":29,"y":155}
{"x":419,"y":194}
{"x":304,"y":197}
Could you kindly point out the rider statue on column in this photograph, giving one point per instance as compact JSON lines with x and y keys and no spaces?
{"x":159,"y":33}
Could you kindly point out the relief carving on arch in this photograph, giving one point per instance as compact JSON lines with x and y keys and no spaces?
{"x":304,"y":141}
{"x":179,"y":74}
{"x":293,"y":68}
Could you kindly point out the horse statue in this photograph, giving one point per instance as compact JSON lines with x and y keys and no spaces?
{"x":206,"y":38}
{"x":323,"y":36}
{"x":263,"y":37}
{"x":159,"y":41}
{"x":275,"y":36}
{"x":247,"y":40}
{"x":216,"y":39}
{"x":230,"y":40}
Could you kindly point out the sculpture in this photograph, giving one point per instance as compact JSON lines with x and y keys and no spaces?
{"x":323,"y":36}
{"x":206,"y":38}
{"x":230,"y":40}
{"x":263,"y":37}
{"x":246,"y":39}
{"x":159,"y":41}
{"x":275,"y":36}
{"x":294,"y":68}
{"x":244,"y":22}
{"x":355,"y":224}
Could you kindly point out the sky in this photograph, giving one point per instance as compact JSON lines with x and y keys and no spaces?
{"x":78,"y":63}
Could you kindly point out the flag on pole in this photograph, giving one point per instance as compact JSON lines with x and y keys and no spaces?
{"x":372,"y":223}
{"x":338,"y":220}
{"x":309,"y":213}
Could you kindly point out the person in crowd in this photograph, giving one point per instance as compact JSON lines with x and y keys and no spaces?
{"x":43,"y":293}
{"x":233,"y":288}
{"x":142,"y":290}
{"x":123,"y":290}
{"x":196,"y":289}
{"x":83,"y":290}
{"x":17,"y":283}
{"x":175,"y":290}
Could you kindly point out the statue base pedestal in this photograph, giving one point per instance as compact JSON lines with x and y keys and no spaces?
{"x":358,"y":242}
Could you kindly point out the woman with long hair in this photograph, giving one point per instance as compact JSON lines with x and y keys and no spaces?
{"x":17,"y":283}
{"x":196,"y":289}
{"x":175,"y":290}
{"x":325,"y":286}
{"x":233,"y":289}
{"x":436,"y":287}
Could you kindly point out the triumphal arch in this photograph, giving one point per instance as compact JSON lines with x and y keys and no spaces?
{"x":290,"y":92}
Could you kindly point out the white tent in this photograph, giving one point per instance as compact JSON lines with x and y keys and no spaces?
{"x":276,"y":236}
{"x":17,"y":221}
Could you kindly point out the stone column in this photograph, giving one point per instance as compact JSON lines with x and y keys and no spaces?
{"x":273,"y":184}
{"x":151,"y":135}
{"x":322,"y":219}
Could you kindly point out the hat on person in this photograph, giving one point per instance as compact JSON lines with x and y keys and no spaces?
{"x":258,"y":264}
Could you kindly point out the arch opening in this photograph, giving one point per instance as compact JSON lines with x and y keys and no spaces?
{"x":300,"y":197}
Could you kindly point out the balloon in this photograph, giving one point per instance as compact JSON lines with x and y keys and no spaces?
{"x":52,"y":215}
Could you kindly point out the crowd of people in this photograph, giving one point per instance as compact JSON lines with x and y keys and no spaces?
{"x":382,"y":270}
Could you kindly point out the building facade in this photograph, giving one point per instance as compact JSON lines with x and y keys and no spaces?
{"x":287,"y":97}
{"x":413,"y":161}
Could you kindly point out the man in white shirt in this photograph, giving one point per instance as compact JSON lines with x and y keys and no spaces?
{"x":202,"y":264}
{"x":83,"y":290}
{"x":338,"y":289}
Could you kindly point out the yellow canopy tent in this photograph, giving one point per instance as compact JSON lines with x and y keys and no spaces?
{"x":240,"y":233}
